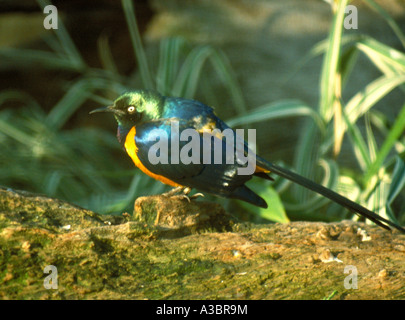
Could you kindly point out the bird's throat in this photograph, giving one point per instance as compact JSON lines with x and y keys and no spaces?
{"x":121,"y":134}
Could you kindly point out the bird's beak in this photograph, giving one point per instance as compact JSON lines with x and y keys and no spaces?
{"x":104,"y":109}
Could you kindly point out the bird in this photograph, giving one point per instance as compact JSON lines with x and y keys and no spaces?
{"x":146,"y":118}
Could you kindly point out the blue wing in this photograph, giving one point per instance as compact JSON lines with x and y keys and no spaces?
{"x":158,"y":154}
{"x":205,"y":170}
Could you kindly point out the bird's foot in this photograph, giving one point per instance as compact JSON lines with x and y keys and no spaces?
{"x":184,"y":193}
{"x":173,"y":192}
{"x":187,"y":190}
{"x":196,"y":195}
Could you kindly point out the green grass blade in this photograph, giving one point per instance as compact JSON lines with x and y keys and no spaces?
{"x":106,"y":57}
{"x":275,"y":212}
{"x":391,"y":22}
{"x":37,"y":59}
{"x":140,"y":55}
{"x":348,"y":61}
{"x":223,"y":68}
{"x":190,"y":74}
{"x":331,"y":62}
{"x":358,"y":143}
{"x":397,"y":129}
{"x":190,"y":71}
{"x":397,"y":184}
{"x":372,"y":144}
{"x":306,"y":157}
{"x":334,"y":292}
{"x":320,"y":48}
{"x":374,"y":92}
{"x":73,"y":99}
{"x":280,"y":109}
{"x":66,"y":41}
{"x":307,"y":153}
{"x":168,"y":64}
{"x":313,"y":201}
{"x":389,"y":60}
{"x":17,"y":95}
{"x":15,"y":133}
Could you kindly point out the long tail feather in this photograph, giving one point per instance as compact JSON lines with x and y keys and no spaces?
{"x":350,"y":205}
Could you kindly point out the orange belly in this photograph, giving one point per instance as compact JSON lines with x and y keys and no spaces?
{"x":132,"y":150}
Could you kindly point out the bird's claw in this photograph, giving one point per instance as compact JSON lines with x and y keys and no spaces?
{"x":196,"y":195}
{"x":185,"y":191}
{"x":172,"y":192}
{"x":184,"y":196}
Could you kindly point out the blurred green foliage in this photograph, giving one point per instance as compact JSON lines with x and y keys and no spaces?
{"x":79,"y":165}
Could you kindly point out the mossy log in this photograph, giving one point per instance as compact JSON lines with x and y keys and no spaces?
{"x":175,"y":249}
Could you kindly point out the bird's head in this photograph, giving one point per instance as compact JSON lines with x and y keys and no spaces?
{"x":134,"y":107}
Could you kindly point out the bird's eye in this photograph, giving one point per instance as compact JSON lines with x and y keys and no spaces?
{"x":131,"y":109}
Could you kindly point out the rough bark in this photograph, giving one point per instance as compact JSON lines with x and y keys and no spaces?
{"x":192,"y":251}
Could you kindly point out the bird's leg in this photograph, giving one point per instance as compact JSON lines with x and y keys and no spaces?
{"x":173,"y":191}
{"x":182,"y":190}
{"x":185,"y":191}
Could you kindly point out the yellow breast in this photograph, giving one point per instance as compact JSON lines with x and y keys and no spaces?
{"x":132,"y":149}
